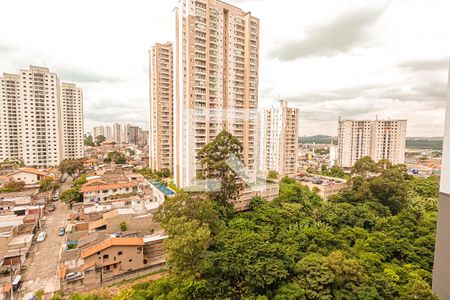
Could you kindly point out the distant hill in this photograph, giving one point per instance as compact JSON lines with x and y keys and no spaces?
{"x":318,"y":139}
{"x":434,"y":143}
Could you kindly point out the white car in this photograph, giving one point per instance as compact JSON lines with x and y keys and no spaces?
{"x":41,"y":236}
{"x":73,"y":275}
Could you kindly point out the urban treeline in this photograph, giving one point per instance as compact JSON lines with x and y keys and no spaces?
{"x":373,"y":241}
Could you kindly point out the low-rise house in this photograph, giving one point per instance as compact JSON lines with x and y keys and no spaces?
{"x":30,"y":176}
{"x":97,"y":190}
{"x":112,"y":260}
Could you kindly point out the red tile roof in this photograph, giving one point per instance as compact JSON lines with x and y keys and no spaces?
{"x":101,"y":187}
{"x":129,"y":241}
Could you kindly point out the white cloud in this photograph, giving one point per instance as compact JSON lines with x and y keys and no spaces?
{"x":389,"y":67}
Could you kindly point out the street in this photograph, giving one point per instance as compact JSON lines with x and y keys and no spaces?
{"x":42,"y":264}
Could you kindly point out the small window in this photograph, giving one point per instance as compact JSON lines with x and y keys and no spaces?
{"x":130,"y":260}
{"x":119,"y":253}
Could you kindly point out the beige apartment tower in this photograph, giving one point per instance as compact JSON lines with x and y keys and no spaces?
{"x":279,"y":139}
{"x":216,"y":81}
{"x":37,"y":118}
{"x":72,"y":121}
{"x":161,"y":107}
{"x":378,"y":139}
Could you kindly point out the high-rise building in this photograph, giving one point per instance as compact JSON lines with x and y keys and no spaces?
{"x":125,"y":134}
{"x":161,"y":107}
{"x":217,"y":65}
{"x":72,"y":124}
{"x":10,"y":118}
{"x":279,"y":139}
{"x":143,"y":139}
{"x":117,"y":133}
{"x":37,"y":117}
{"x":98,"y":130}
{"x":441,"y":270}
{"x":108,"y":133}
{"x":378,"y":139}
{"x":133,"y":135}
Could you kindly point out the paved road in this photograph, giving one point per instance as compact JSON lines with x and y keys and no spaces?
{"x":42,"y":265}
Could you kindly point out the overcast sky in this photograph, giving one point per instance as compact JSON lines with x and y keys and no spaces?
{"x":329,"y":58}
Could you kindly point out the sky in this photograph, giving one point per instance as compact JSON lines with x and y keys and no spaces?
{"x":330,"y":59}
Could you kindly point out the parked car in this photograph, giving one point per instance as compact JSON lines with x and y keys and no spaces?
{"x":73,"y":275}
{"x":61,"y":231}
{"x":41,"y":236}
{"x":17,"y":282}
{"x":51,"y":207}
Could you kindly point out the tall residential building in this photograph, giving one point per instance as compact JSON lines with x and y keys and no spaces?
{"x":72,"y":125}
{"x":133,"y":135}
{"x":125,"y":133}
{"x":99,"y":130}
{"x":441,"y":270}
{"x":109,"y":133}
{"x":217,"y":65}
{"x":161,"y":107}
{"x":35,"y":112}
{"x":279,"y":139}
{"x":117,"y":133}
{"x":10,"y":118}
{"x":379,"y":139}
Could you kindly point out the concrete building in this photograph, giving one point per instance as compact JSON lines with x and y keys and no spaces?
{"x":117,"y":133}
{"x":441,"y":270}
{"x":216,"y":81}
{"x":108,"y":133}
{"x":279,"y":142}
{"x":379,"y":139}
{"x":324,"y":185}
{"x":72,"y":125}
{"x":99,"y":190}
{"x":161,"y":107}
{"x":125,"y":134}
{"x":37,"y":110}
{"x":98,"y":130}
{"x":133,"y":134}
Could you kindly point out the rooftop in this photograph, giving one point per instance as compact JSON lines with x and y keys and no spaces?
{"x":126,"y":241}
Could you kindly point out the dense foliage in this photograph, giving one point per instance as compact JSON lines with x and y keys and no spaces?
{"x":13,"y":186}
{"x":116,"y":157}
{"x":71,"y":167}
{"x":374,"y":241}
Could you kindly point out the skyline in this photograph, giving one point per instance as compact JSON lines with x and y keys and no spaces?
{"x":378,"y":63}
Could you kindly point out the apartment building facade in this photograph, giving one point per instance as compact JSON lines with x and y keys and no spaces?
{"x":441,"y":272}
{"x":378,"y":139}
{"x":279,"y":139}
{"x":216,"y":81}
{"x":98,"y":130}
{"x":72,"y":125}
{"x":161,"y":107}
{"x":35,"y":111}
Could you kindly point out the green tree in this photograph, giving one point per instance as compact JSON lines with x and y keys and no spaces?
{"x":100,"y":139}
{"x":213,"y":158}
{"x":88,"y":141}
{"x":192,"y":208}
{"x":335,"y":171}
{"x":272,"y":174}
{"x":116,"y":157}
{"x":71,"y":167}
{"x":364,"y":166}
{"x":47,"y":184}
{"x":123,"y":226}
{"x":187,"y":247}
{"x":13,"y":186}
{"x":71,"y":195}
